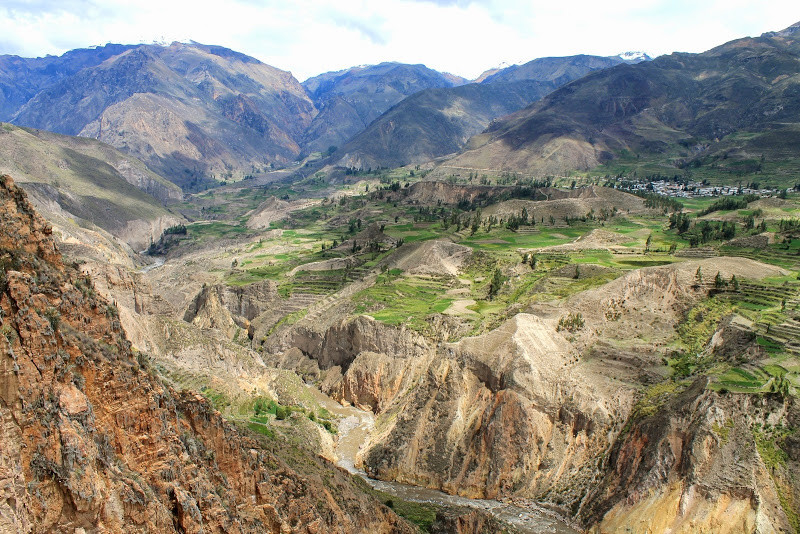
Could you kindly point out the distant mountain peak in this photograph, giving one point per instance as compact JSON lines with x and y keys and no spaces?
{"x":489,"y":72}
{"x":791,"y":30}
{"x":634,"y":56}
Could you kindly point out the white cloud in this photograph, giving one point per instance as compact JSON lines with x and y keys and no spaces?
{"x":461,"y":36}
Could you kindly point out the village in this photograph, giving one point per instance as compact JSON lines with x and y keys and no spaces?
{"x":696,"y":189}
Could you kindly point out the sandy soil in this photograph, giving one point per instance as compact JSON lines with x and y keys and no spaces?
{"x":596,"y":239}
{"x":437,"y":257}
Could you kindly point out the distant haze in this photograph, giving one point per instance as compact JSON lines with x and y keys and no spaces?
{"x":463,"y":37}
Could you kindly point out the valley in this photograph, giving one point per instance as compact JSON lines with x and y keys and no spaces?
{"x":464,"y":330}
{"x":562,"y":297}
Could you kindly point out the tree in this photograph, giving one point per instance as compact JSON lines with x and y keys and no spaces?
{"x":495,"y":283}
{"x":718,"y":281}
{"x":647,"y":243}
{"x":698,"y":276}
{"x":735,"y":282}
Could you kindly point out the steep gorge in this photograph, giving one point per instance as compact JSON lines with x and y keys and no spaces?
{"x":92,"y":439}
{"x":582,"y":423}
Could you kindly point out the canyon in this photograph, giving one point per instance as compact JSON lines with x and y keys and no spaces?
{"x":476,"y":314}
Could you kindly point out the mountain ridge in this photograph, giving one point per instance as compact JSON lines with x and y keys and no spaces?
{"x":652,"y":107}
{"x":192,"y":112}
{"x":437,"y":122}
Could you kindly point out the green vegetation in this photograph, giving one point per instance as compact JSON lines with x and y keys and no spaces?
{"x":770,"y":441}
{"x":701,"y":321}
{"x":728,"y":203}
{"x":652,"y":398}
{"x":422,"y":515}
{"x":258,"y":412}
{"x":407,"y":300}
{"x":723,"y":430}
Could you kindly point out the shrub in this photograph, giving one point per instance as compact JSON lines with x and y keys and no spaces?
{"x":572,"y":322}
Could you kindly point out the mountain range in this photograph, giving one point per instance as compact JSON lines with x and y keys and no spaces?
{"x":436,"y":122}
{"x":348,"y":101}
{"x":735,"y":108}
{"x":191,"y":112}
{"x":200,"y":114}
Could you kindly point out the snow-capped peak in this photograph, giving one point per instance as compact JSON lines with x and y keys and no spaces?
{"x":634,"y":56}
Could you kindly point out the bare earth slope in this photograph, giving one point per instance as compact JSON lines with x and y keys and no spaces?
{"x":189,"y":111}
{"x":91,"y":439}
{"x":88,"y":186}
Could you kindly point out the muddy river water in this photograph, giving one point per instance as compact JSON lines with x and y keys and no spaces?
{"x":355,"y":426}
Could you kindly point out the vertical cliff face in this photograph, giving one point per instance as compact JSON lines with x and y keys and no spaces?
{"x":90,"y":438}
{"x":704,"y":462}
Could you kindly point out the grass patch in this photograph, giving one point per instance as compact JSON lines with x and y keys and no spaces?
{"x":407,"y":300}
{"x":724,"y":430}
{"x":422,"y":515}
{"x":700,"y":323}
{"x":261,"y":428}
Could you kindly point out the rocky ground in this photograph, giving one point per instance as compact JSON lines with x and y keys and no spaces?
{"x":93,"y":439}
{"x":500,"y":397}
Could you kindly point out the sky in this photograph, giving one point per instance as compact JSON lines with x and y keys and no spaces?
{"x":463,"y":37}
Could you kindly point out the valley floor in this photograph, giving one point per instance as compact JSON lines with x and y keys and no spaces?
{"x":563,"y":348}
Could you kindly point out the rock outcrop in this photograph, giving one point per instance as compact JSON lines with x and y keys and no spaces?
{"x":92,"y":439}
{"x":582,"y":421}
{"x":702,"y":463}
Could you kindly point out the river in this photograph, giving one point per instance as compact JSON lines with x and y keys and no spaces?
{"x":158,"y":262}
{"x":355,"y":426}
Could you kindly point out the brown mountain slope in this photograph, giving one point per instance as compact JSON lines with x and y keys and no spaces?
{"x":189,"y":111}
{"x":351,"y":99}
{"x":90,"y":439}
{"x":435,"y":122}
{"x":439,"y":121}
{"x":559,"y":70}
{"x":82,"y":185}
{"x":21,"y":78}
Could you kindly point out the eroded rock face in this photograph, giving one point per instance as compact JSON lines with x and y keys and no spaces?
{"x":91,"y":440}
{"x":362,"y":361}
{"x":502,"y":414}
{"x":461,"y":521}
{"x":694,"y":466}
{"x":522,"y":412}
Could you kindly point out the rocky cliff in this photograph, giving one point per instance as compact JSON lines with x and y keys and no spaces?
{"x":583,"y":421}
{"x":91,"y":438}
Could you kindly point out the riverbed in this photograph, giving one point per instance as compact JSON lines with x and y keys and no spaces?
{"x":355,"y":427}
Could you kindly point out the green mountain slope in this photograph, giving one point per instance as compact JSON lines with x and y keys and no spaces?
{"x":735,"y":108}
